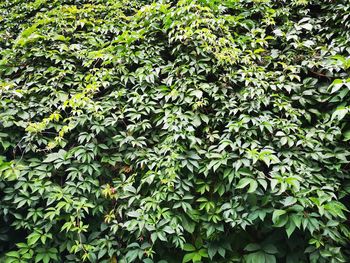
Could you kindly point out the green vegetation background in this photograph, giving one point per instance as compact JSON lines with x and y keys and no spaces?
{"x":174,"y":131}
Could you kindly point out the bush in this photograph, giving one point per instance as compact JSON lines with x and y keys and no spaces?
{"x":174,"y":131}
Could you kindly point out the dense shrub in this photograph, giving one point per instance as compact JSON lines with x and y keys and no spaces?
{"x":174,"y":131}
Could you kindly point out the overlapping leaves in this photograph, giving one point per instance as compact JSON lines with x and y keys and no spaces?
{"x":174,"y":131}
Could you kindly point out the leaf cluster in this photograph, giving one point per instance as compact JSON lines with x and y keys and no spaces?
{"x":174,"y":131}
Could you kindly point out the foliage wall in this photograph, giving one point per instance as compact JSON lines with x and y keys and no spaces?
{"x":174,"y":131}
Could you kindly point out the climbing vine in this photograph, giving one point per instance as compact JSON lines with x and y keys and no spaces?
{"x":174,"y":131}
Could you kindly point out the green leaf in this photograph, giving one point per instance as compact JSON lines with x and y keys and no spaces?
{"x":340,"y":113}
{"x":256,"y":257}
{"x":290,"y":228}
{"x":197,"y":93}
{"x":288,"y":201}
{"x":346,"y":135}
{"x":188,"y":257}
{"x":252,"y":247}
{"x":270,"y":249}
{"x":189,"y":247}
{"x":13,"y":254}
{"x":336,"y":85}
{"x":253,"y":185}
{"x":277,"y":214}
{"x":243,"y":183}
